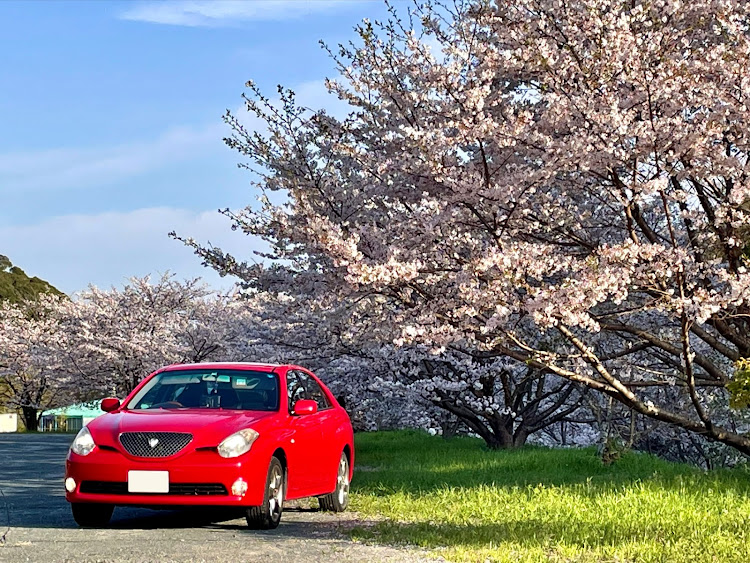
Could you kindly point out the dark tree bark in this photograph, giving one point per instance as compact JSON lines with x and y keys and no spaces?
{"x":30,"y":417}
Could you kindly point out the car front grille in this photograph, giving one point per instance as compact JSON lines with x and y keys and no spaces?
{"x":154,"y":444}
{"x":182,"y":489}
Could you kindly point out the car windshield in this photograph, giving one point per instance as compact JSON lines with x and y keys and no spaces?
{"x":209,"y":389}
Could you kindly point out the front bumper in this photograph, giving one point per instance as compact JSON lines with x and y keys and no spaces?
{"x":196,"y":478}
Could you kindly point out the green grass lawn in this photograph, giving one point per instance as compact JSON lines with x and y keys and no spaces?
{"x":538,"y":504}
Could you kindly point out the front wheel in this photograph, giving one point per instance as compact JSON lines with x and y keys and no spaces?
{"x":92,"y":515}
{"x":268,"y":515}
{"x":338,"y":500}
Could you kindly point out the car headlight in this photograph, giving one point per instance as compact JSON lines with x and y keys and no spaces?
{"x":238,"y":443}
{"x":84,"y":442}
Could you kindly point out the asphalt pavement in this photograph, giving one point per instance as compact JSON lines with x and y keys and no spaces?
{"x":42,"y":529}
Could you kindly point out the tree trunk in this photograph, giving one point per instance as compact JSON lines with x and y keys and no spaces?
{"x":503,"y":438}
{"x":520,"y":437}
{"x":497,"y":432}
{"x":30,"y":418}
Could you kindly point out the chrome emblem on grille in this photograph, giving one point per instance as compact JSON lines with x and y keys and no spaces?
{"x":153,"y":442}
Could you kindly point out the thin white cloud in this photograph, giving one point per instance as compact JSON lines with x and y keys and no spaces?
{"x":82,"y":167}
{"x":220,"y":13}
{"x":106,"y":249}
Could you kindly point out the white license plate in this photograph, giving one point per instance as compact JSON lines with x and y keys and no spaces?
{"x":148,"y":481}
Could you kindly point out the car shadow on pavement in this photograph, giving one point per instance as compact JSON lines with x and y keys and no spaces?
{"x":301,"y":522}
{"x":127,"y":518}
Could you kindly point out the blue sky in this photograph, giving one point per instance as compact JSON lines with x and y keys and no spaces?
{"x":110,"y":114}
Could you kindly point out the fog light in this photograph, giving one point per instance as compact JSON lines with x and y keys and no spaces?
{"x":70,"y":484}
{"x":239,"y":488}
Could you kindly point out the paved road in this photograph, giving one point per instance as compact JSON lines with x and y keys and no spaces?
{"x":42,"y":529}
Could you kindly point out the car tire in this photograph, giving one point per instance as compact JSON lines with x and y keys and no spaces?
{"x":92,"y":515}
{"x":338,"y":500}
{"x":268,"y":515}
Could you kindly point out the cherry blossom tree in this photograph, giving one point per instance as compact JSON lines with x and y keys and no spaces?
{"x":562,"y":183}
{"x":388,"y":386}
{"x":32,"y":344}
{"x":117,"y":337}
{"x":501,"y":401}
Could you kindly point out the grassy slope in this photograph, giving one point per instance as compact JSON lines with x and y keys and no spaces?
{"x":539,"y":504}
{"x":16,"y":286}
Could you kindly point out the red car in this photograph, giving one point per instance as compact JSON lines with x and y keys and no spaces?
{"x":224,"y":434}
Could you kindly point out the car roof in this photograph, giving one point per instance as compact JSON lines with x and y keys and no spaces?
{"x":223,"y":365}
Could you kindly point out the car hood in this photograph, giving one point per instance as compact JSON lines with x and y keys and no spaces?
{"x":208,"y":427}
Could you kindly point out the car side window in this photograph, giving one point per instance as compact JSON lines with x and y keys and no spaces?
{"x":295,"y":389}
{"x":314,"y":391}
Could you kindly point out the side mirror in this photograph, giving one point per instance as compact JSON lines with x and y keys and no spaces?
{"x":110,"y":404}
{"x":305,"y":406}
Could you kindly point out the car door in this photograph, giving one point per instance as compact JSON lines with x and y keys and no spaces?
{"x":302,"y":457}
{"x":325,"y":453}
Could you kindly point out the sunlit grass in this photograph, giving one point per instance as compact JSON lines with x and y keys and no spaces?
{"x":536,"y":504}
